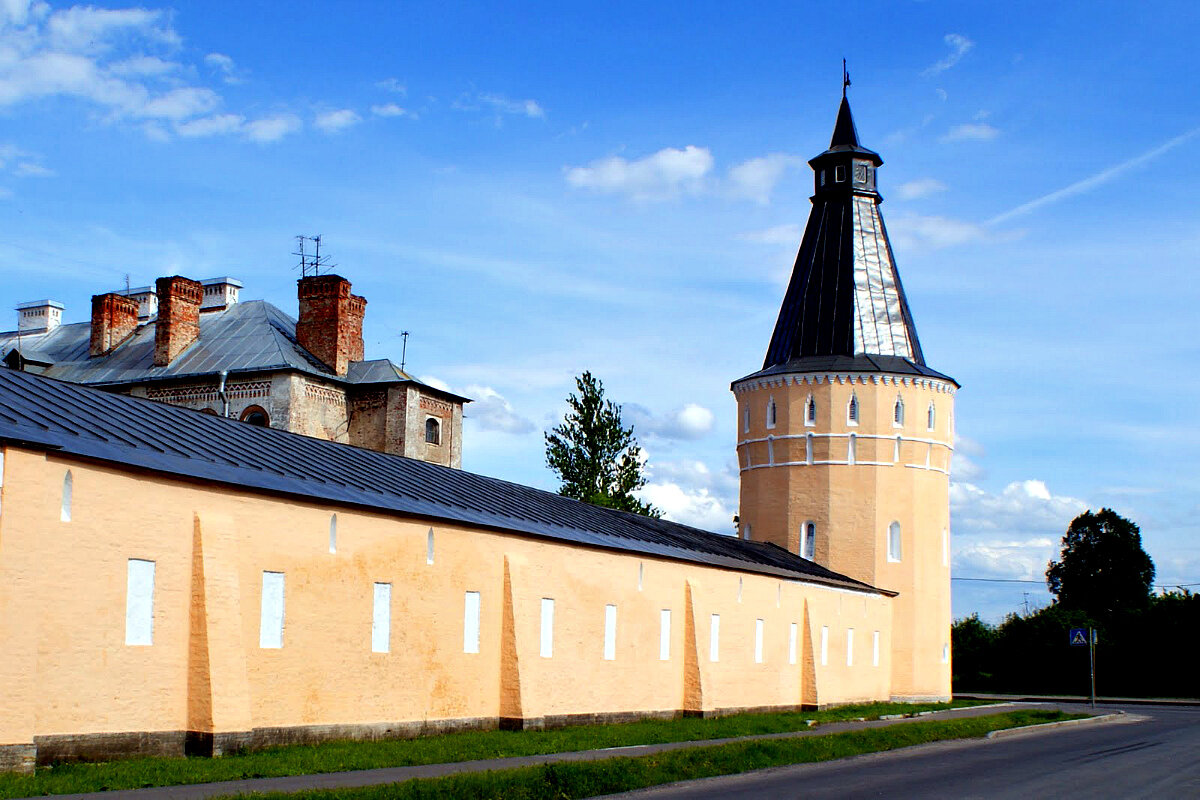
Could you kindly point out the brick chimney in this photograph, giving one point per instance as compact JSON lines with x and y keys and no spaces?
{"x":331,"y":320}
{"x":178,"y":323}
{"x":114,"y":318}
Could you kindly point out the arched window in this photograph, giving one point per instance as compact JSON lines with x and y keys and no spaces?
{"x":808,"y":547}
{"x":852,"y":410}
{"x":746,"y":419}
{"x":771,"y":413}
{"x":931,"y":420}
{"x":898,"y":412}
{"x":893,"y":542}
{"x":852,"y":449}
{"x":808,"y":450}
{"x":810,"y":411}
{"x":256,"y":415}
{"x":896,"y":451}
{"x":433,"y":431}
{"x":67,"y":491}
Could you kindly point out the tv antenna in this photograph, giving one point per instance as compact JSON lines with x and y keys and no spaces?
{"x":311,"y":263}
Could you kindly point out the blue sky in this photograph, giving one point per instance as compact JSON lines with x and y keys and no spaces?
{"x":537,"y":190}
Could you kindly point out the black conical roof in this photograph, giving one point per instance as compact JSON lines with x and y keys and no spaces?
{"x":845,"y":308}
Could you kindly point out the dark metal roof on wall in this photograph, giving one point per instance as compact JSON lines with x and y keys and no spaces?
{"x":845,"y":302}
{"x":79,"y":421}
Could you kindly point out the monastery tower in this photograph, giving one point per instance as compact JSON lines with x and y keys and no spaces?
{"x":845,"y":435}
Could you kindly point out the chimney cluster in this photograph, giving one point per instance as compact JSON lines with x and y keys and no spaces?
{"x":331,"y":321}
{"x":114,"y":319}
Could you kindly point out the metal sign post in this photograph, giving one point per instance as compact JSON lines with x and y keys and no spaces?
{"x":1081,"y":637}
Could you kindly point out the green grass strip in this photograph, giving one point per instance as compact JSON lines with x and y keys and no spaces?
{"x":588,"y":779}
{"x":341,"y":756}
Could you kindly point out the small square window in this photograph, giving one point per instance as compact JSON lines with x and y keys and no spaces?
{"x":839,"y":174}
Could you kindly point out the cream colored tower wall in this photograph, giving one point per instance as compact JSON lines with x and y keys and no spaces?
{"x":799,"y":471}
{"x":68,"y":672}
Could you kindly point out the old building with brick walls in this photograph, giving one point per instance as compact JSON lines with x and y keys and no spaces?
{"x":194,"y":344}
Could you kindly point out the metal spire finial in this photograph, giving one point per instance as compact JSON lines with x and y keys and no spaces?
{"x":845,"y":79}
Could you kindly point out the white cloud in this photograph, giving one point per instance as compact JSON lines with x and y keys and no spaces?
{"x":224,"y":66}
{"x":691,"y":421}
{"x":392,"y":85}
{"x":490,"y":411}
{"x":216,"y":125}
{"x":5,"y":194}
{"x":1025,"y":560}
{"x":272,"y":129}
{"x":695,"y":507}
{"x":336,"y":121}
{"x":503,"y":105}
{"x":971,"y":131}
{"x":788,"y":234}
{"x":662,"y":175}
{"x":144,"y":66}
{"x":179,"y":104}
{"x":959,"y":46}
{"x":921,"y":187}
{"x":934,"y":233}
{"x":389,"y":110}
{"x":86,"y":29}
{"x":1023,"y":509}
{"x":963,"y":464}
{"x":28,"y":169}
{"x":756,"y":178}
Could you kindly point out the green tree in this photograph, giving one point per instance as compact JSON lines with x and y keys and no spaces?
{"x":1103,"y":570}
{"x":596,"y":458}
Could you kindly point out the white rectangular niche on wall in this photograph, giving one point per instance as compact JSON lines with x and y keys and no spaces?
{"x":381,"y":620}
{"x":139,"y":603}
{"x":270,"y":626}
{"x":471,"y":622}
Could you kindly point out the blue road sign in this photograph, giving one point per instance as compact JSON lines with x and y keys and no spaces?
{"x":1079,"y":637}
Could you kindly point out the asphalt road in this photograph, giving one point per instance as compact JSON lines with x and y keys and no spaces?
{"x":1157,"y":757}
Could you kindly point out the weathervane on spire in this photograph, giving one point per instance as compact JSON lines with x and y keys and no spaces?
{"x":845,"y":79}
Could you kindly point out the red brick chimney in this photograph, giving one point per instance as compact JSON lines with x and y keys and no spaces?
{"x":114,"y":318}
{"x":178,"y":323}
{"x":331,"y":320}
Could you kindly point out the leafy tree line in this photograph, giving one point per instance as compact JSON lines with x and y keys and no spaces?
{"x":1102,"y":580}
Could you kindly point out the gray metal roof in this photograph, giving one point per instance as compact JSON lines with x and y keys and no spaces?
{"x":77,"y":420}
{"x":253,"y":336}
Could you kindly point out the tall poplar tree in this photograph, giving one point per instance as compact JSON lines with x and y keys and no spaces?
{"x":596,"y":457}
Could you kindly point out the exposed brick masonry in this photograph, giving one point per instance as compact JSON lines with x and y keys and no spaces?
{"x":114,"y":318}
{"x":178,"y":323}
{"x":331,"y":320}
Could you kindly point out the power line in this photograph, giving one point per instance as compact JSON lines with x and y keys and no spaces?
{"x":1024,"y":580}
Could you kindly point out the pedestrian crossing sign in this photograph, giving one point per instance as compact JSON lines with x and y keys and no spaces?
{"x":1079,"y":637}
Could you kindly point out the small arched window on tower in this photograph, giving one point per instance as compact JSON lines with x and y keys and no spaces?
{"x":810,"y":411}
{"x":893,"y":542}
{"x":433,"y":431}
{"x":839,"y":174}
{"x":808,"y":449}
{"x":931,"y":417}
{"x":852,"y":449}
{"x":898,"y":413}
{"x":896,"y":450}
{"x":256,"y":415}
{"x":746,"y":419}
{"x":808,"y":547}
{"x":852,"y":410}
{"x":771,"y":413}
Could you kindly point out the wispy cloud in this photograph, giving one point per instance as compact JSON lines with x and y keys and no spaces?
{"x":273,"y":128}
{"x":971,"y":131}
{"x":521,"y":108}
{"x":788,"y":234}
{"x":663,"y":175}
{"x":390,"y":110}
{"x":959,"y":46}
{"x":392,"y":85}
{"x":223,"y":65}
{"x":691,"y":421}
{"x":755,"y":178}
{"x":921,"y":187}
{"x":1100,"y":178}
{"x":924,"y":233}
{"x":336,"y":121}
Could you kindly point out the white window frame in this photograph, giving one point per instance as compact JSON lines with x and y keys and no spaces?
{"x":931,"y":417}
{"x":896,"y":451}
{"x":547,"y":638}
{"x":839,"y":173}
{"x":381,"y":618}
{"x":758,"y":641}
{"x":714,"y":638}
{"x":945,"y":652}
{"x":898,"y":413}
{"x":333,"y":534}
{"x":808,"y":448}
{"x":771,"y":413}
{"x":808,"y":540}
{"x":746,"y":419}
{"x":610,"y":632}
{"x":664,"y":635}
{"x":852,"y":449}
{"x":895,"y":542}
{"x":429,"y":548}
{"x":139,"y":603}
{"x":824,"y":645}
{"x":472,"y":607}
{"x":68,"y":496}
{"x":853,"y":412}
{"x":810,"y":411}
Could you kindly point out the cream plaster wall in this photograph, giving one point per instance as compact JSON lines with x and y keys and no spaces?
{"x":67,"y":671}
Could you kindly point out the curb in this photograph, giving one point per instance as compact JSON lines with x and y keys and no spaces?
{"x":1117,"y":716}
